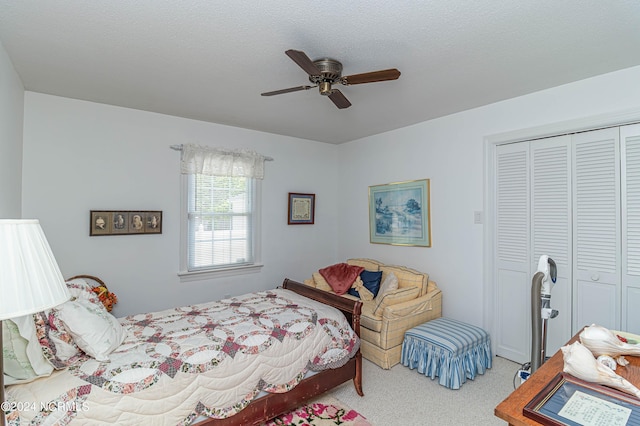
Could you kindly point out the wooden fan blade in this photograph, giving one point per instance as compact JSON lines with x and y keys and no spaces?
{"x":371,"y":77}
{"x":339,"y":99}
{"x":303,"y":61}
{"x":289,"y":90}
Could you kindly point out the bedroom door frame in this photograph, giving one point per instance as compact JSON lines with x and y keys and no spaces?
{"x":490,"y":287}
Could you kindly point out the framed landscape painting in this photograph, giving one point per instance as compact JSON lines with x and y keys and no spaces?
{"x":399,"y":213}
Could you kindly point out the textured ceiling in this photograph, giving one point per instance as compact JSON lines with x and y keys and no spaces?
{"x":210,"y":59}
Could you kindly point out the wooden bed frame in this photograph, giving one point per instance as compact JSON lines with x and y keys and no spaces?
{"x":272,"y":405}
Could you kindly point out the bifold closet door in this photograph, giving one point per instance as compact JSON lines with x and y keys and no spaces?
{"x":551,"y":227}
{"x":630,"y":153}
{"x":533,"y":218}
{"x":512,"y":252}
{"x":596,"y":229}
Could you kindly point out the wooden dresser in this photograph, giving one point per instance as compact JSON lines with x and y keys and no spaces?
{"x":511,"y":408}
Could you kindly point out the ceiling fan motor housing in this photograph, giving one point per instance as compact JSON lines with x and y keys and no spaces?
{"x":330,"y":72}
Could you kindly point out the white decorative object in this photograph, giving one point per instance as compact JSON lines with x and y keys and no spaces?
{"x":602,"y":341}
{"x":30,"y":279}
{"x":580,"y":363}
{"x":607,"y":361}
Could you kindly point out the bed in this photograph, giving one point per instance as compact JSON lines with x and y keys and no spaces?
{"x":242,"y":360}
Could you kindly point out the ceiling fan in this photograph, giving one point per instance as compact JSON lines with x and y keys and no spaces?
{"x":325,"y":72}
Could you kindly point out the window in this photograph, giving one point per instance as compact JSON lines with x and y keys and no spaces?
{"x":220,"y":221}
{"x":220,"y":212}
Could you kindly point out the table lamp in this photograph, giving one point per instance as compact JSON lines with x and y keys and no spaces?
{"x":30,"y":280}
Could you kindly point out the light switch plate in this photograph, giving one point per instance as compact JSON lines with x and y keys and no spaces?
{"x":477,"y":217}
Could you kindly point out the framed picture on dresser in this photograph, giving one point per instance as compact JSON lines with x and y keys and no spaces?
{"x":569,"y":401}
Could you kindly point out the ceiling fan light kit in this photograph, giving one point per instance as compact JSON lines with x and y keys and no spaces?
{"x":325,"y":72}
{"x":325,"y":88}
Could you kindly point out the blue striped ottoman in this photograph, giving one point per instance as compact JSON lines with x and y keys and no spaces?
{"x":449,"y":349}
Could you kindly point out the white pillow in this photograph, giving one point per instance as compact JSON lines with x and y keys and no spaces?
{"x":27,"y":329}
{"x":21,"y":346}
{"x":94,"y":330}
{"x":14,"y":352}
{"x":390,"y":283}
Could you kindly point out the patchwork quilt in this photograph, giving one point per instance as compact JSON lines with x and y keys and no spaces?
{"x":177,"y":365}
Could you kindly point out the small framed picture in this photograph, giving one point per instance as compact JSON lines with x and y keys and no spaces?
{"x":136,"y":223}
{"x":302,"y":209}
{"x":125,"y":222}
{"x":100,"y":222}
{"x":153,"y":223}
{"x":120,"y":224}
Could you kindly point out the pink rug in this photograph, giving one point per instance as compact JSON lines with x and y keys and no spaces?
{"x":325,"y":411}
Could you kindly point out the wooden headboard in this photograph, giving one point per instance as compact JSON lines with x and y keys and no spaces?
{"x":350,"y":308}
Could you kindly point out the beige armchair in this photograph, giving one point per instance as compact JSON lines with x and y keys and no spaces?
{"x":385,"y":319}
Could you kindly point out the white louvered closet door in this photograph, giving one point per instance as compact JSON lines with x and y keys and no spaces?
{"x":533,"y":205}
{"x":551,"y":227}
{"x":596,"y":229}
{"x":630,"y":153}
{"x":512,"y":252}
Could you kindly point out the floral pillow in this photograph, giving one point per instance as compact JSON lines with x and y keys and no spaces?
{"x":56,"y":328}
{"x":22,"y":355}
{"x":55,"y":340}
{"x":81,"y":289}
{"x":94,"y":330}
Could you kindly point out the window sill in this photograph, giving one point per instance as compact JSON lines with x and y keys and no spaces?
{"x":186,"y":276}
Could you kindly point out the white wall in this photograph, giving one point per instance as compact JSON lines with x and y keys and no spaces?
{"x":450,"y":151}
{"x":11,"y":116}
{"x":81,"y":156}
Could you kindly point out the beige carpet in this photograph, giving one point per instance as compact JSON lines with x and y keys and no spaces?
{"x":401,"y":396}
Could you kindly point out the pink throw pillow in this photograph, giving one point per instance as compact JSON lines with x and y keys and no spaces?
{"x":341,"y":276}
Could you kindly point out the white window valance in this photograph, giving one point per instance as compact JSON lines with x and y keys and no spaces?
{"x":210,"y":161}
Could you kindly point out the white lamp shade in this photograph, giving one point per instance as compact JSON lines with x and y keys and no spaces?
{"x":30,"y":279}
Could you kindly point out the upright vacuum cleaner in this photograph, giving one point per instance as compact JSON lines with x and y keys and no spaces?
{"x":541,"y":285}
